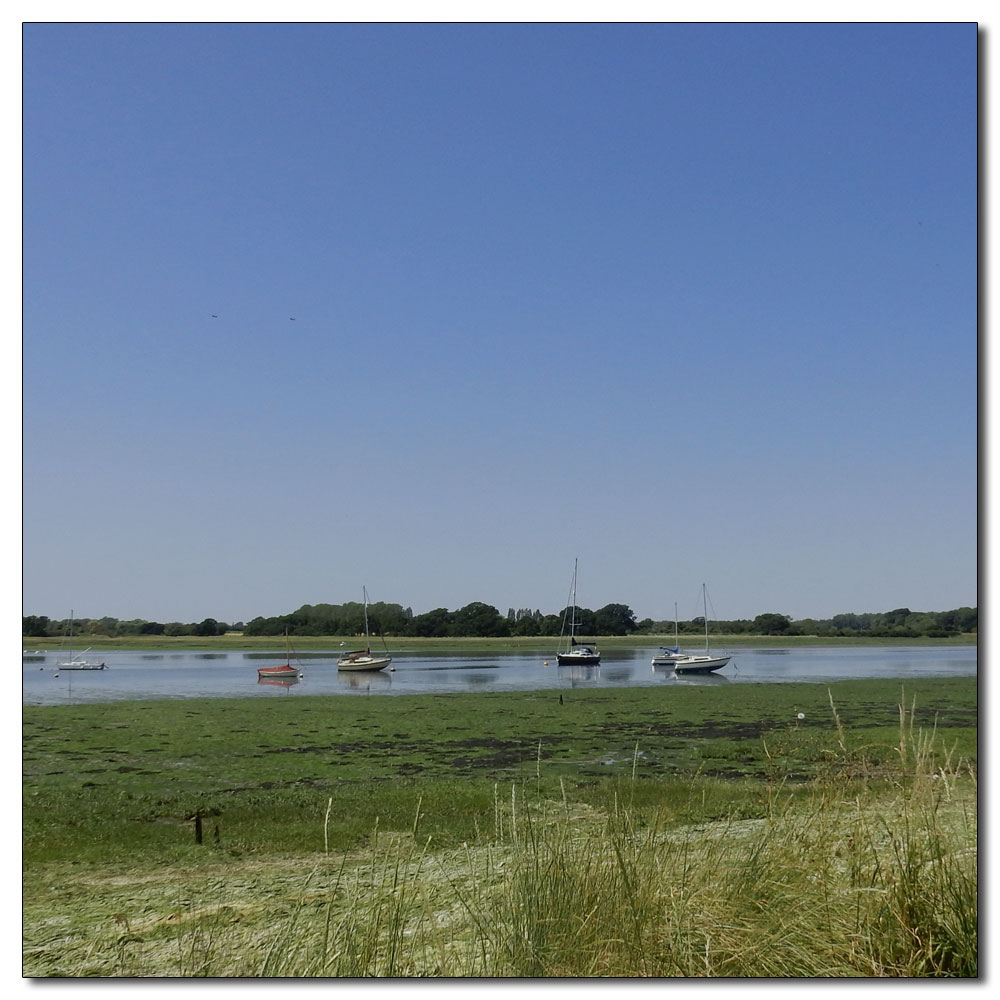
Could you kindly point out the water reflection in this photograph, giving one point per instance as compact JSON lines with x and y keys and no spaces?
{"x":281,"y":682}
{"x":364,"y":680}
{"x":579,"y":674}
{"x":669,"y":676}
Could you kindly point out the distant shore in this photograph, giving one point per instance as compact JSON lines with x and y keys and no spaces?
{"x":417,"y":644}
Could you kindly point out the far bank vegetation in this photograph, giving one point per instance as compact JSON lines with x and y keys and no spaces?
{"x":483,"y":620}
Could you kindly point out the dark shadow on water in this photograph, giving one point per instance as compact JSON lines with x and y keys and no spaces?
{"x":452,"y":666}
{"x":277,"y":654}
{"x":477,"y":680}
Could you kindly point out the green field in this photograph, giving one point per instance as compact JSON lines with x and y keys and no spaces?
{"x":238,"y":641}
{"x":411,"y":835}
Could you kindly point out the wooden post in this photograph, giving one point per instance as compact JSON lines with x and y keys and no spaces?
{"x":197,"y":827}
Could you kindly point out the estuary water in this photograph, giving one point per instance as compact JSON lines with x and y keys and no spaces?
{"x":151,"y":675}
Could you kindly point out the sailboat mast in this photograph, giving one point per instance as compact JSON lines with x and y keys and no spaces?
{"x":572,"y":621}
{"x":364,"y":593}
{"x":704,"y":601}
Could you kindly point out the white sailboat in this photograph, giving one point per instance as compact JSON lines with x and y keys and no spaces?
{"x":668,"y":656}
{"x":703,"y":663}
{"x":575,"y":652}
{"x":362,"y":659}
{"x":77,"y":662}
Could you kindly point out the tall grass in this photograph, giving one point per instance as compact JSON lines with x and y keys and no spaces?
{"x":867,"y":871}
{"x":881,"y":884}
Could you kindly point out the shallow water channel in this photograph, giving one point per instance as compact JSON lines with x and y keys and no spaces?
{"x":153,"y":675}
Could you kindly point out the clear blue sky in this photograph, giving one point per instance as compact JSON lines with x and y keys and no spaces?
{"x":691,"y":302}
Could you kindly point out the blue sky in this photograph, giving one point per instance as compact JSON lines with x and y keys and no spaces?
{"x":690,"y":302}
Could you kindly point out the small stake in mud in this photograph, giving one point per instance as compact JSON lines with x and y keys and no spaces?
{"x":197,"y":817}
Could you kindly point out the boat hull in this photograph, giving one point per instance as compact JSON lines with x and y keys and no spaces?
{"x":80,"y":666}
{"x":571,"y":659}
{"x":700,"y":664}
{"x":363,"y":662}
{"x":277,"y":672}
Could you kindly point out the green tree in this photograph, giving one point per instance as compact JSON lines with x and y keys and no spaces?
{"x":897,"y":617}
{"x":525,"y":626}
{"x":549,"y":624}
{"x":35,"y":625}
{"x":614,"y":619}
{"x":478,"y":619}
{"x":771,"y":624}
{"x":431,"y":624}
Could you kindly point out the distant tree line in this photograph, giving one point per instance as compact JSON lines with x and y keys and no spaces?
{"x":484,"y":620}
{"x":476,"y":619}
{"x":41,"y":626}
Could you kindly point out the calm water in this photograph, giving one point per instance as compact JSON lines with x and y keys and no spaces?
{"x":152,"y":675}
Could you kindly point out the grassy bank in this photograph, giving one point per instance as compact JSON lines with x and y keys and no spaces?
{"x":238,"y":641}
{"x":754,"y":830}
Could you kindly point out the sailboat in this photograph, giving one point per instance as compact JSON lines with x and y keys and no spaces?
{"x":575,"y":652}
{"x":285,"y":672}
{"x":668,"y":656}
{"x":77,"y":662}
{"x":701,"y":663}
{"x":362,"y":659}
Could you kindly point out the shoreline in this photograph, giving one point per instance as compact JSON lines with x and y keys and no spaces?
{"x":461,"y":644}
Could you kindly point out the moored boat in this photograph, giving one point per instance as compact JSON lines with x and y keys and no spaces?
{"x":362,"y":659}
{"x":701,"y":663}
{"x":282,"y":682}
{"x":577,"y":652}
{"x":77,"y":662}
{"x":669,"y":655}
{"x":285,"y":670}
